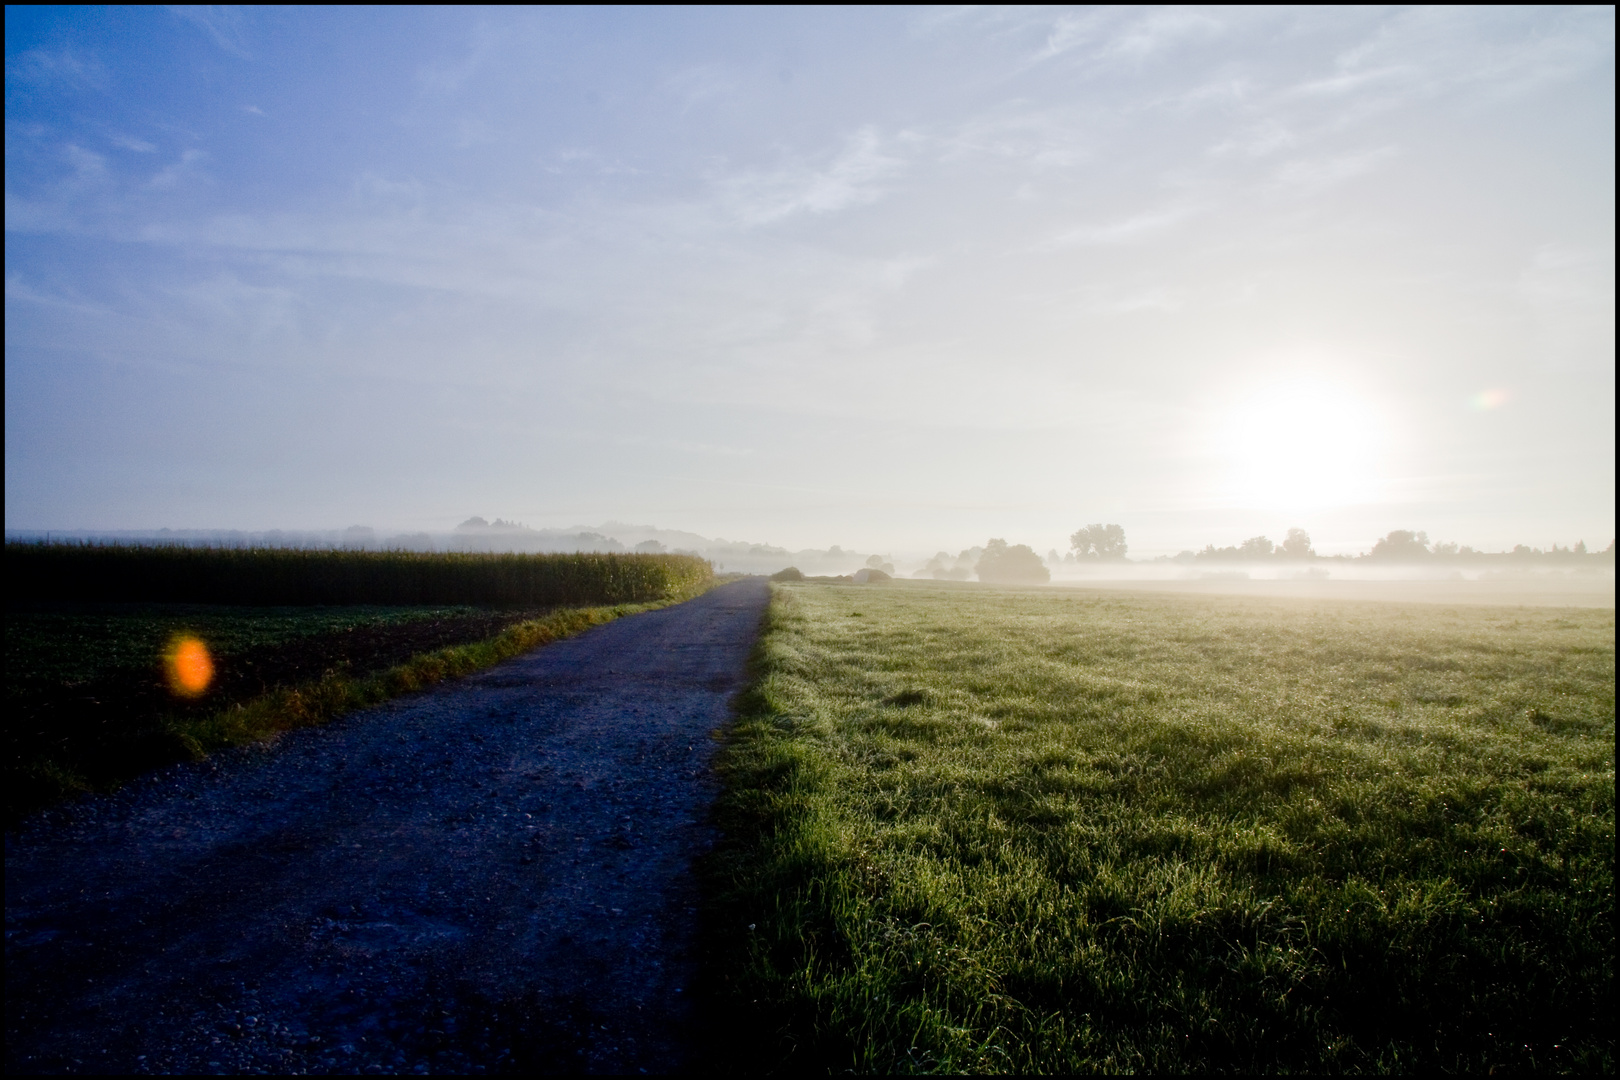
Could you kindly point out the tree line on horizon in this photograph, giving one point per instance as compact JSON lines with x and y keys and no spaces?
{"x":1106,"y":543}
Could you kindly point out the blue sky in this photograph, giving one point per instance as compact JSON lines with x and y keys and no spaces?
{"x":894,"y":279}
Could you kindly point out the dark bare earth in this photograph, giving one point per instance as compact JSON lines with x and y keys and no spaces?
{"x":492,"y":876}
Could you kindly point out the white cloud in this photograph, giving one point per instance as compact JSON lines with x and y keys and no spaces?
{"x":449,"y":76}
{"x":63,"y":67}
{"x":225,"y":23}
{"x":1161,"y":29}
{"x":1261,"y":140}
{"x":703,"y":82}
{"x":1439,"y":49}
{"x":87,"y":164}
{"x":1124,"y":231}
{"x":852,"y":178}
{"x":1314,"y":174}
{"x":186,"y":170}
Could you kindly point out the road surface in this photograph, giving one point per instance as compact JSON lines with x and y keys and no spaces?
{"x":494,"y":875}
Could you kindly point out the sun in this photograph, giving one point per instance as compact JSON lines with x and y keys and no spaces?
{"x":1301,"y":444}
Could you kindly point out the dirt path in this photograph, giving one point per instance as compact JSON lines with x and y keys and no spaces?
{"x":492,"y":876}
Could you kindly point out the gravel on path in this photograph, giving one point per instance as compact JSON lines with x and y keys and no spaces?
{"x":491,"y":876}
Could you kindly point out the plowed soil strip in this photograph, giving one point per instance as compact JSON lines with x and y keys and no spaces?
{"x":492,"y":876}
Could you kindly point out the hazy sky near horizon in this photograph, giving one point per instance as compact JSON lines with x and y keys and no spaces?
{"x":897,"y":279}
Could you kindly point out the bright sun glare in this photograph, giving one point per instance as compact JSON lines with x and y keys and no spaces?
{"x":1301,"y":445}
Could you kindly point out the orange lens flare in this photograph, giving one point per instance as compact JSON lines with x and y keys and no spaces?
{"x":189,"y":666}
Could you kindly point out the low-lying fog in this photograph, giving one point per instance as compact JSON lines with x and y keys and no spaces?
{"x":1401,"y":566}
{"x":1542,"y":586}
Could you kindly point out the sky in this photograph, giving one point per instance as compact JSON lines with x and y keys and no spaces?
{"x":895,"y":279}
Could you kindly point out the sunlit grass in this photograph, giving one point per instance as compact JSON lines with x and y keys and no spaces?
{"x":980,"y":830}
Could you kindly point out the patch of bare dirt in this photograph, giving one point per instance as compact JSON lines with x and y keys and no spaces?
{"x":492,"y":876}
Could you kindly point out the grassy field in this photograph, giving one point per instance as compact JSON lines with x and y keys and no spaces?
{"x":972,"y":830}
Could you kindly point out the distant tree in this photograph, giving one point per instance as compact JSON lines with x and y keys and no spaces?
{"x":1580,"y":547}
{"x":1052,"y":557}
{"x":1211,"y":553}
{"x":1448,"y":550}
{"x":1014,"y":565}
{"x":1256,"y":547}
{"x":1103,"y":542}
{"x":1298,"y":545}
{"x":650,"y":547}
{"x":966,"y":562}
{"x":1403,"y":545}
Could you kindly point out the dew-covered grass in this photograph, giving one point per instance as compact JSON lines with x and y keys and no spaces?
{"x":970,"y":829}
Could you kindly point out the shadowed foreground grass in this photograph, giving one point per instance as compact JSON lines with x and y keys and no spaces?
{"x":986,"y":830}
{"x":88,"y":708}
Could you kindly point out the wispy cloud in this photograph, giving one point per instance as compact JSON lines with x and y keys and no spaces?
{"x":188,"y":169}
{"x":698,"y":84}
{"x":1261,"y":140}
{"x":1123,"y":231}
{"x":449,"y":75}
{"x":1161,"y":29}
{"x":855,"y":176}
{"x":1314,"y":174}
{"x":1434,"y":50}
{"x":62,"y":67}
{"x":225,"y":24}
{"x":129,"y":142}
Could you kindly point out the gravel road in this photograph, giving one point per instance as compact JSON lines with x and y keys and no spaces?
{"x":492,"y":876}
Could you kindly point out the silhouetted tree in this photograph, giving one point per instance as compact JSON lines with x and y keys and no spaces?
{"x":1099,"y":542}
{"x":1256,"y":547}
{"x":1014,"y":565}
{"x":1298,"y":545}
{"x":1402,"y":544}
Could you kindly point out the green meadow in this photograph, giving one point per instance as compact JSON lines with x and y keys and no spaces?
{"x":987,"y":830}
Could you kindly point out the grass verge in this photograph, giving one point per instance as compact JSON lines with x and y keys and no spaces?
{"x":90,"y":711}
{"x":313,"y":703}
{"x":978,"y":830}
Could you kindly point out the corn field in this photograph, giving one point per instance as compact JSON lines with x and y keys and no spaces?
{"x":289,"y":576}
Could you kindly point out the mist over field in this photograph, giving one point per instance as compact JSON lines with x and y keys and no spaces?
{"x":853,"y":284}
{"x":810,"y":540}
